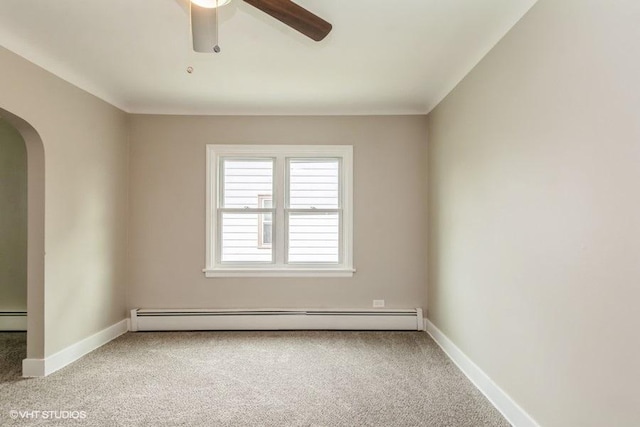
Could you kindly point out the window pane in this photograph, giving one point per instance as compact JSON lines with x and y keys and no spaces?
{"x":314,"y":183}
{"x":246,"y":182}
{"x":314,"y":238}
{"x":266,"y":233}
{"x":240,"y":238}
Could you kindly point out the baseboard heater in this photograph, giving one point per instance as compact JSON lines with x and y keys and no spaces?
{"x":275,"y":319}
{"x":13,"y":320}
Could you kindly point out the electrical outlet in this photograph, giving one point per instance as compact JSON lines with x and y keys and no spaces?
{"x":378,"y":303}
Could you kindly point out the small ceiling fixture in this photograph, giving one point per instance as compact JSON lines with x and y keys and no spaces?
{"x":204,"y":20}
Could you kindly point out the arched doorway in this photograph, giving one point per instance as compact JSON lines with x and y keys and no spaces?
{"x":35,"y":233}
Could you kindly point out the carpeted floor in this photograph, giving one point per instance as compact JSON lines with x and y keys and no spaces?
{"x":13,"y":348}
{"x":249,"y":379}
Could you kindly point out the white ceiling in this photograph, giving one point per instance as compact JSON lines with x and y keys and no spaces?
{"x":382,"y":57}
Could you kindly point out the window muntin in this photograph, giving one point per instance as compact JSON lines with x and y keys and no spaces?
{"x":279,"y":209}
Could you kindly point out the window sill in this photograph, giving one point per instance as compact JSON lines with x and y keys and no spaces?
{"x":290,"y":272}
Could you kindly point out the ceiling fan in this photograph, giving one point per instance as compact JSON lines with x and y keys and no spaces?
{"x":204,"y":20}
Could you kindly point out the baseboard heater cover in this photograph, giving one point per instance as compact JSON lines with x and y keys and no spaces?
{"x":13,"y":320}
{"x":275,"y":319}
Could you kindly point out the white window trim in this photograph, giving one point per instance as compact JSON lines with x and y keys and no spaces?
{"x":344,"y":269}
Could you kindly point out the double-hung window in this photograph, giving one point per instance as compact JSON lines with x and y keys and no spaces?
{"x":279,"y":210}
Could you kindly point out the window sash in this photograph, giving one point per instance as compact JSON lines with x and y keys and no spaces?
{"x":287,"y":166}
{"x":220,"y":199}
{"x":290,"y":212}
{"x":220,"y":239}
{"x":280,"y":248}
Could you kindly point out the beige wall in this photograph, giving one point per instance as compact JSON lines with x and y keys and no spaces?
{"x":85,"y":147}
{"x":167,"y":237}
{"x":13,"y":219}
{"x":535,"y":210}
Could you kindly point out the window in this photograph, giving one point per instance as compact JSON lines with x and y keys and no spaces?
{"x":275,"y":210}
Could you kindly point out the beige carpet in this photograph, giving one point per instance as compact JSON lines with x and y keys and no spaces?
{"x":13,"y":348}
{"x":250,"y":379}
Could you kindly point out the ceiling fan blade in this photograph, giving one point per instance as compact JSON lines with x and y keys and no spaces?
{"x":203,"y":28}
{"x":294,"y":16}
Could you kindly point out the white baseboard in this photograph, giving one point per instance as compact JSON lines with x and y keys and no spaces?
{"x":517,"y":416}
{"x":44,"y":367}
{"x":13,"y":321}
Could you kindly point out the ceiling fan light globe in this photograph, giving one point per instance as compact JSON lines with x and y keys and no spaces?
{"x":210,"y":4}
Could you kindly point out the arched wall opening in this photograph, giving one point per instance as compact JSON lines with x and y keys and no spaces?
{"x":35,"y":233}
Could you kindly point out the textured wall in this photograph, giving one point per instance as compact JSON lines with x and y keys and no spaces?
{"x":534,"y":235}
